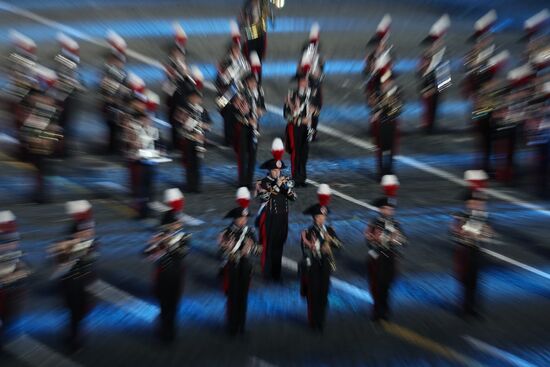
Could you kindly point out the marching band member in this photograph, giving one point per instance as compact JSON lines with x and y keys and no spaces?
{"x":68,"y":87}
{"x":76,"y":259}
{"x":483,"y":48}
{"x":249,"y":107}
{"x":538,"y":131}
{"x":385,"y":239}
{"x":113,"y":89}
{"x":237,"y":242}
{"x":166,"y":249}
{"x":301,"y":105}
{"x":13,"y":271}
{"x":194,"y":122}
{"x":482,"y":64}
{"x":485,"y":102}
{"x":140,"y":137}
{"x":434,"y":71}
{"x":313,"y":65}
{"x":231,"y":71}
{"x":373,"y":71}
{"x":40,"y":131}
{"x":318,"y":243}
{"x":23,"y":61}
{"x":179,"y":81}
{"x":385,"y":122}
{"x":537,"y":112}
{"x":510,"y":117}
{"x":253,"y":22}
{"x":470,"y":229}
{"x":274,"y":192}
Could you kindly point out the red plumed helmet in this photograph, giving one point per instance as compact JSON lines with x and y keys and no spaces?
{"x":174,"y":198}
{"x":255,"y":63}
{"x":181,"y":36}
{"x":235,"y":32}
{"x":314,"y":33}
{"x":277,"y":149}
{"x":7,"y":222}
{"x":79,"y":209}
{"x":136,"y":83}
{"x":153,"y":100}
{"x":476,"y":178}
{"x":243,"y":197}
{"x":198,"y":77}
{"x":390,"y":185}
{"x":323,"y":194}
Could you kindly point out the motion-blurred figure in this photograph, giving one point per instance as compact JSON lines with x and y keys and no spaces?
{"x":194,"y":121}
{"x":537,"y":120}
{"x":40,"y":132}
{"x":166,"y":249}
{"x":249,"y":107}
{"x":377,"y":60}
{"x":13,"y":271}
{"x":318,"y":243}
{"x":301,"y":105}
{"x":67,"y":88}
{"x":75,"y":259}
{"x":509,"y":119}
{"x":274,"y":192}
{"x":113,"y":90}
{"x":229,"y":82}
{"x":22,"y":76}
{"x":385,"y":240}
{"x":482,"y":64}
{"x":253,"y":22}
{"x":434,"y":71}
{"x":470,"y":229}
{"x":140,"y":137}
{"x":385,"y":115}
{"x":179,"y":83}
{"x":237,"y":242}
{"x":312,"y":64}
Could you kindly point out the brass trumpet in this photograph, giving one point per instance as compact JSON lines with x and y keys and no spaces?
{"x":331,"y":242}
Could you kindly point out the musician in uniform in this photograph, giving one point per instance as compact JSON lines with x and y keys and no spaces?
{"x":194,"y":122}
{"x":229,"y":80}
{"x":385,"y":116}
{"x":67,"y":88}
{"x":379,"y":45}
{"x":167,"y":249}
{"x":538,"y":132}
{"x":178,"y":83}
{"x":385,"y":238}
{"x":76,"y":270}
{"x":253,"y":21}
{"x":40,"y":131}
{"x":469,"y":229}
{"x":314,"y":68}
{"x":537,"y":51}
{"x":23,"y":61}
{"x":318,"y":243}
{"x":113,"y":89}
{"x":433,"y":72}
{"x":140,"y":137}
{"x":482,"y":65}
{"x":274,"y":191}
{"x":509,"y":118}
{"x":249,"y":107}
{"x":13,"y":271}
{"x":237,"y":242}
{"x":300,"y":106}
